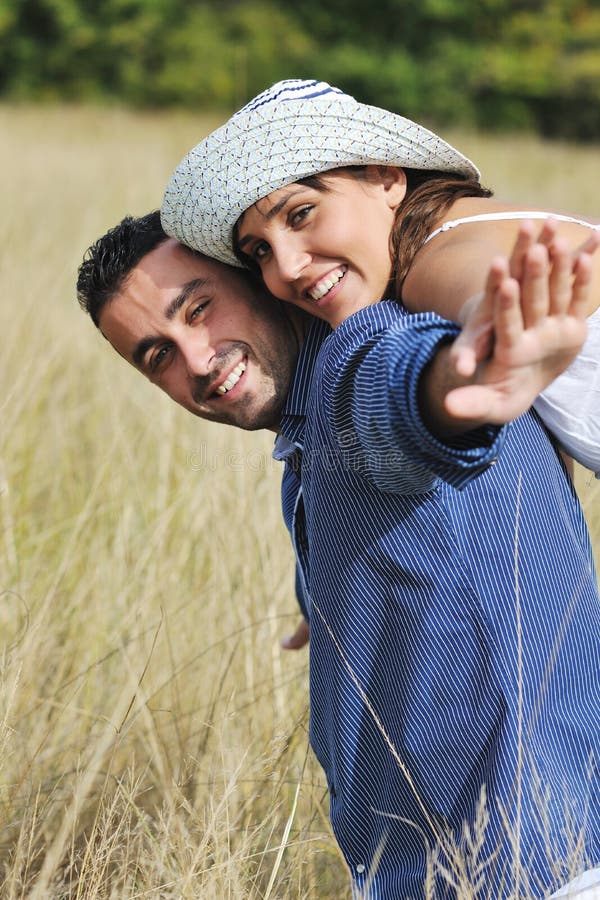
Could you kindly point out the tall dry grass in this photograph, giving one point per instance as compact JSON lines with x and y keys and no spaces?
{"x":153,"y":737}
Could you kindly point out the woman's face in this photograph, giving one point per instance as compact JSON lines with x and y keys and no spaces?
{"x":326,"y":251}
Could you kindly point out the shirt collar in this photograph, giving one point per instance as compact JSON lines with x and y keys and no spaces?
{"x":296,"y":404}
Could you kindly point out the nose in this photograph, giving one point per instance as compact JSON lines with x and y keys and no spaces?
{"x":197,"y":353}
{"x":291,"y":259}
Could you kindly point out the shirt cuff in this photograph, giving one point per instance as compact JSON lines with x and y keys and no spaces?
{"x":463,"y":457}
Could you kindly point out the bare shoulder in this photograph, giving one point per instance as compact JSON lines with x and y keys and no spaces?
{"x":453,"y":266}
{"x":443,"y":276}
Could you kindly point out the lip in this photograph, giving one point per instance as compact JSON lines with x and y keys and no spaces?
{"x":213,"y":392}
{"x":331,"y":275}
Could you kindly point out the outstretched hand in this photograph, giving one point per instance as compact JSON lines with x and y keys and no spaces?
{"x":525,"y":329}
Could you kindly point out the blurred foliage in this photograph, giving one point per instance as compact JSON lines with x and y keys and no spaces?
{"x":530,"y":64}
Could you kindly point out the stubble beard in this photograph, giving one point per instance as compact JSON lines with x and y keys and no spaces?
{"x":264,"y":409}
{"x":273,"y":371}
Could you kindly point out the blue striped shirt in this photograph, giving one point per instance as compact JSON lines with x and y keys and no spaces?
{"x":454,"y":649}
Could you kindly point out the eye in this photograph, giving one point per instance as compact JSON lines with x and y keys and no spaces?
{"x":196,"y":310}
{"x":259,"y":251}
{"x":297,"y":216}
{"x":158,"y":358}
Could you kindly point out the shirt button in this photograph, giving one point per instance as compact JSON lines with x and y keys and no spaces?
{"x":360,"y":868}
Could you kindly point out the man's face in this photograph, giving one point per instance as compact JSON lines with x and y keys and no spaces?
{"x":205,"y":335}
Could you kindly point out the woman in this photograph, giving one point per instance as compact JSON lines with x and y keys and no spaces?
{"x":430,"y":244}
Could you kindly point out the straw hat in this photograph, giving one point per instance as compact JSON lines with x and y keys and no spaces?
{"x":292,"y":130}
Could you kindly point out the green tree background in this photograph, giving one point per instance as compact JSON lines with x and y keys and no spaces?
{"x":498,"y":64}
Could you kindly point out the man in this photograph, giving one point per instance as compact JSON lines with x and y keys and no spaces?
{"x":148,"y":294}
{"x":412,"y":712}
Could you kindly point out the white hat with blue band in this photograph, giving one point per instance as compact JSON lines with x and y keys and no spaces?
{"x":292,"y":130}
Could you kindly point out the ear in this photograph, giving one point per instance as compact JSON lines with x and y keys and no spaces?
{"x":393,"y":180}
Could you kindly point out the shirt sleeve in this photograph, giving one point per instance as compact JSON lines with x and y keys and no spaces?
{"x":375,"y":409}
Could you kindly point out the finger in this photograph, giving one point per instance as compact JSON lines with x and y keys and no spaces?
{"x":580,"y":291}
{"x":508,"y":316}
{"x":499,"y":270}
{"x":498,"y":280}
{"x":525,"y":240}
{"x":471,"y":402}
{"x":534,"y":285}
{"x":298,"y":639}
{"x":487,"y":404}
{"x":589,"y":246}
{"x":548,"y":232}
{"x":485,"y":301}
{"x":560,"y":277}
{"x":464,"y":359}
{"x":476,"y":340}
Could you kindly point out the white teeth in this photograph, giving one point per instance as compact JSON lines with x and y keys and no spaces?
{"x":232,"y":379}
{"x":321,"y":288}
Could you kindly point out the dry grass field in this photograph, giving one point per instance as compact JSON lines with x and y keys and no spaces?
{"x":153,"y":736}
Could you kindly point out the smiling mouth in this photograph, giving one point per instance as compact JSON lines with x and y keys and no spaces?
{"x":231,"y":380}
{"x":322,"y":287}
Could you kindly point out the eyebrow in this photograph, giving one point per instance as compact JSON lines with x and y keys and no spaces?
{"x":146,"y":343}
{"x":271,"y":214}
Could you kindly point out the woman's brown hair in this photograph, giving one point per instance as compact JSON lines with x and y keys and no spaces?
{"x":428,"y":196}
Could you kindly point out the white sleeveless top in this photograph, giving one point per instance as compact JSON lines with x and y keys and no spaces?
{"x":570,"y":406}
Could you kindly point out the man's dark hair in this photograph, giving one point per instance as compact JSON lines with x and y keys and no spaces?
{"x":110,"y":260}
